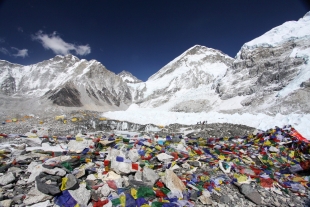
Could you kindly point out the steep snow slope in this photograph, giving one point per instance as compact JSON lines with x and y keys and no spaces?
{"x":198,"y":68}
{"x":272,"y":71}
{"x":287,"y":31}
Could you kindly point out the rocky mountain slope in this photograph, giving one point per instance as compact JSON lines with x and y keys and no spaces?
{"x":270,"y":74}
{"x":65,"y":82}
{"x":272,"y":71}
{"x":189,"y":77}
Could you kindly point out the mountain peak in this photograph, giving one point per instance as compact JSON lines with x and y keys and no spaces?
{"x":128,"y":77}
{"x":68,"y":57}
{"x":196,"y":55}
{"x":307,"y":16}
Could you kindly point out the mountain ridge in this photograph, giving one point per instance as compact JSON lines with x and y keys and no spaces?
{"x":261,"y":78}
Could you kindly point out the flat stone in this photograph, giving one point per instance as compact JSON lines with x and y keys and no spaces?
{"x":111,"y":176}
{"x":225,"y":199}
{"x":9,"y":186}
{"x":80,"y":173}
{"x":251,"y":194}
{"x":119,"y":182}
{"x":215,"y":197}
{"x":173,"y":182}
{"x":18,"y":199}
{"x":276,"y":204}
{"x":194,"y":195}
{"x":246,"y":188}
{"x":205,"y":200}
{"x":105,"y":190}
{"x":138,"y":176}
{"x":42,"y":204}
{"x":149,"y":176}
{"x":94,"y":195}
{"x":35,"y":169}
{"x":50,"y":189}
{"x":15,"y":170}
{"x":254,"y":197}
{"x":7,"y":178}
{"x":163,"y":156}
{"x":186,"y":165}
{"x":133,"y":155}
{"x":231,"y":197}
{"x":194,"y":163}
{"x":4,"y":168}
{"x":72,"y":182}
{"x":6,"y":203}
{"x":91,"y":177}
{"x":55,"y":171}
{"x":35,"y":196}
{"x":81,"y":195}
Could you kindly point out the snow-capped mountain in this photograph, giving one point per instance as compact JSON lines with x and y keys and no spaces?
{"x":185,"y":82}
{"x":66,"y":81}
{"x":128,"y":77}
{"x":270,"y":74}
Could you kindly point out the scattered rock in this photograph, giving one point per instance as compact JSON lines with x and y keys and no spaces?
{"x":251,"y":193}
{"x":7,"y":178}
{"x":55,"y":171}
{"x":173,"y":182}
{"x":149,"y":176}
{"x":225,"y":199}
{"x":6,"y":203}
{"x":81,"y":195}
{"x":35,"y":196}
{"x":48,"y":184}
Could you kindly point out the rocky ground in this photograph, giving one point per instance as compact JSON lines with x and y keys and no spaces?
{"x":90,"y":121}
{"x":211,"y":164}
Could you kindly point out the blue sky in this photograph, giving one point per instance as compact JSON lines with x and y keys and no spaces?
{"x":140,"y":36}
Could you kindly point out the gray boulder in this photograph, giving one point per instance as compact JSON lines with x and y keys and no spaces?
{"x":7,"y":178}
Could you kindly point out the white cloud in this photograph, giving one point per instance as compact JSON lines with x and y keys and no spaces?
{"x":82,"y":49}
{"x":59,"y":46}
{"x":20,"y":53}
{"x":4,"y":51}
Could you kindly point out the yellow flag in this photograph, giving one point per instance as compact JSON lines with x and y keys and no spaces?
{"x":63,"y":183}
{"x":133,"y":193}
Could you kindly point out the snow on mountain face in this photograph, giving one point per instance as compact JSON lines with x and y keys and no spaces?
{"x":272,"y":71}
{"x":271,"y":74}
{"x":290,"y":30}
{"x":197,"y":67}
{"x":66,"y":81}
{"x":128,"y":77}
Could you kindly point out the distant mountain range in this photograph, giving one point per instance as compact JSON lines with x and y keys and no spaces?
{"x":270,"y":74}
